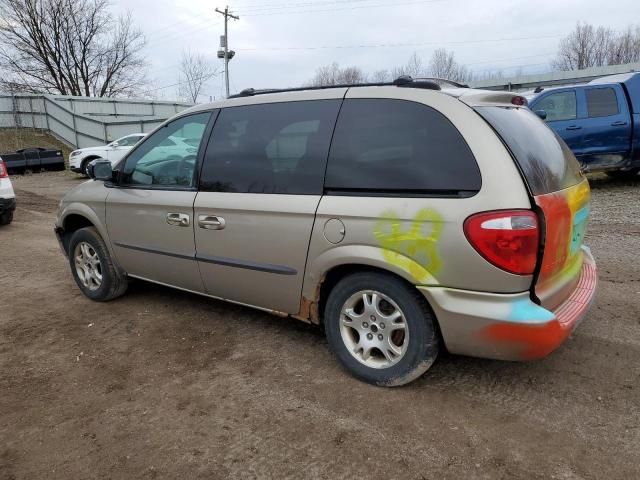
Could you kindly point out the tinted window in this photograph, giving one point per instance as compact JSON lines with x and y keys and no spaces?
{"x":559,"y":106}
{"x":601,"y":102}
{"x":546,"y":162}
{"x":165,"y":159}
{"x":270,"y":148}
{"x":395,"y":145}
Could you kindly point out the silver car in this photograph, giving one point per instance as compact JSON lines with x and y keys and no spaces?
{"x":403,"y":218}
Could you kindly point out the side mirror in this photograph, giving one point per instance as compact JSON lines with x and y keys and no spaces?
{"x":542,"y":114}
{"x":100,"y":169}
{"x":114,"y":144}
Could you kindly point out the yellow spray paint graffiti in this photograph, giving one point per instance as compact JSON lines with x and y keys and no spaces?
{"x":413,"y":249}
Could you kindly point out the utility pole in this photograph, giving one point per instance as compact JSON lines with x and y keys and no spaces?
{"x":226,"y":53}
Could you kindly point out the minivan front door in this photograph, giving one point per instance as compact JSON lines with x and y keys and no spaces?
{"x":150,"y":213}
{"x":261,"y":183}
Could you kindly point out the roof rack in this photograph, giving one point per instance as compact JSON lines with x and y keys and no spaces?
{"x":404,"y":81}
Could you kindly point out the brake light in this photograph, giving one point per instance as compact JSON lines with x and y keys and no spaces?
{"x":508,"y":239}
{"x":520,"y":101}
{"x":3,"y":170}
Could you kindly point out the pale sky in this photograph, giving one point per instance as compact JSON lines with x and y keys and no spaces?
{"x":280,"y":43}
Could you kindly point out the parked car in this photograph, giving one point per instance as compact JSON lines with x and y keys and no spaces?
{"x":7,"y":196}
{"x":600,"y":121}
{"x":34,"y":159}
{"x":401,"y":217}
{"x":114,"y":151}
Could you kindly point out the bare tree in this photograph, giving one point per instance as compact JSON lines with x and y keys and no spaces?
{"x":334,"y":75}
{"x":195,"y":70}
{"x":626,"y":48}
{"x":381,"y":76}
{"x":413,"y":68}
{"x":444,"y":65}
{"x":588,"y":46}
{"x":71,"y":47}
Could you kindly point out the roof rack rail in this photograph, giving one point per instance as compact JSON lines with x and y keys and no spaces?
{"x":403,"y":81}
{"x":439,"y":80}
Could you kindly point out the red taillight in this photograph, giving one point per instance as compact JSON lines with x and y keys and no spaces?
{"x":3,"y":170}
{"x":506,"y":238}
{"x":520,"y":101}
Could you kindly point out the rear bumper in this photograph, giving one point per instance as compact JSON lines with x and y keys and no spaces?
{"x":509,"y":327}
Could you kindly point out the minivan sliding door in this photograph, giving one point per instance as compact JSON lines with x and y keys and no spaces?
{"x":261,"y":182}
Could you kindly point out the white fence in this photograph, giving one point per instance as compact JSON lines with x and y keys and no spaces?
{"x":84,"y":121}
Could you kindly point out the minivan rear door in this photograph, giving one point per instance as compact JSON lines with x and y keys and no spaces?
{"x":261,"y":182}
{"x":559,"y":190}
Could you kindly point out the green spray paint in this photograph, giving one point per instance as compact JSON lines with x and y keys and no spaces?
{"x":411,"y":249}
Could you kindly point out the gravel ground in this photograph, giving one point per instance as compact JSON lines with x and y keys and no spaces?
{"x":164,"y":384}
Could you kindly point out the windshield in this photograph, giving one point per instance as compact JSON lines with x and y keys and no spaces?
{"x":546,"y":162}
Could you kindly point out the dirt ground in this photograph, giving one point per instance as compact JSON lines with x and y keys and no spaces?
{"x":164,"y":384}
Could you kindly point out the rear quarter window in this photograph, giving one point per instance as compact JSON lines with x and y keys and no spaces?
{"x":601,"y":102}
{"x":384,"y":146}
{"x":546,"y":163}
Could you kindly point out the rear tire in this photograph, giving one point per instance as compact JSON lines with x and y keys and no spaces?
{"x":92,"y":267}
{"x":6,"y":218}
{"x":624,"y":174}
{"x":382,"y":331}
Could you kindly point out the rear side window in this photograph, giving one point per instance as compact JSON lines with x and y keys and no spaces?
{"x":559,"y":106}
{"x":270,"y":148}
{"x":601,"y":102}
{"x":546,"y":162}
{"x":387,"y":146}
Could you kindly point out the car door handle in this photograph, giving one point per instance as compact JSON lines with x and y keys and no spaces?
{"x":574,"y":127}
{"x":178,"y":219}
{"x":211,"y":222}
{"x":619,"y":123}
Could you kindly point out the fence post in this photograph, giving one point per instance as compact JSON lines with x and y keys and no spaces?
{"x":73,"y":117}
{"x":46,"y":113}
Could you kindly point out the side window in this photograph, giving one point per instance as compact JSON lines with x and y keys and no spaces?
{"x":396,"y":145}
{"x":168,"y":157}
{"x":128,"y":141}
{"x":559,"y":106}
{"x":270,"y":148}
{"x":601,"y":102}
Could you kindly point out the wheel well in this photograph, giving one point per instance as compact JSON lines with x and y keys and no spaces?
{"x":88,"y":159}
{"x":333,"y":276}
{"x":71,"y":224}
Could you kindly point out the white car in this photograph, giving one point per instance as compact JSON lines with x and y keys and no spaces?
{"x":114,"y":151}
{"x":7,"y":196}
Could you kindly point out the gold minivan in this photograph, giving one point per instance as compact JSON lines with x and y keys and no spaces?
{"x":403,"y":218}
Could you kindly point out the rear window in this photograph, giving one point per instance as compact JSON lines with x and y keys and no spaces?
{"x":383,"y":146}
{"x":601,"y":102}
{"x":546,"y":162}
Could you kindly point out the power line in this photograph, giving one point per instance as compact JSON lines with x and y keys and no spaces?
{"x":389,"y":45}
{"x":312,"y":10}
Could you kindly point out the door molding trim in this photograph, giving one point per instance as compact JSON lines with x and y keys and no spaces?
{"x":247,"y":264}
{"x":152,"y":250}
{"x":225,"y":261}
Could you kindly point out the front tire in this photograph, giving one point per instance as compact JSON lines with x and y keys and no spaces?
{"x":382,"y":331}
{"x":92,"y":267}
